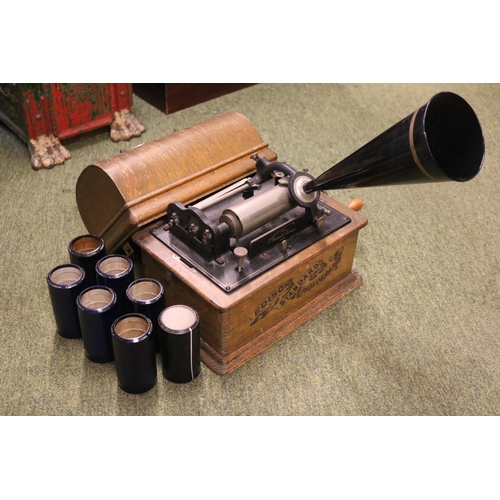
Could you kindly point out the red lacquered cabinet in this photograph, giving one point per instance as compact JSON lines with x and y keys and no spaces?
{"x":44,"y":114}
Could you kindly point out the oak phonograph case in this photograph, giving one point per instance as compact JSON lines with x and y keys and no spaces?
{"x":254,"y":245}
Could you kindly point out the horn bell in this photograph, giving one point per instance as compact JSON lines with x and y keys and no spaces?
{"x":440,"y":141}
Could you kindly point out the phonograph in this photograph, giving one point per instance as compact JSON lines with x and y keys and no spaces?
{"x":255,"y":245}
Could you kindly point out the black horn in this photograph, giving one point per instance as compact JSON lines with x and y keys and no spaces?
{"x":441,"y":141}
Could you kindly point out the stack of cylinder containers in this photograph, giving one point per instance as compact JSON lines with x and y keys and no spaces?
{"x":122,"y":319}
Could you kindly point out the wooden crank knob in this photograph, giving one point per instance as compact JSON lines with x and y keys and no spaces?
{"x":356,"y":204}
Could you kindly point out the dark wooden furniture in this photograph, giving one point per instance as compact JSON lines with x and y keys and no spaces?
{"x":172,"y":97}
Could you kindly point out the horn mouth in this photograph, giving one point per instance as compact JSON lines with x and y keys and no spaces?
{"x":454,"y":136}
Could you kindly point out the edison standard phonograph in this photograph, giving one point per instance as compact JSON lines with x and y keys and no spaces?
{"x":255,"y":245}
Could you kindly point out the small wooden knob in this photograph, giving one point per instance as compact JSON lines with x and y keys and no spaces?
{"x":356,"y":204}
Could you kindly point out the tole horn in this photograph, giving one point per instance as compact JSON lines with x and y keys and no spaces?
{"x":441,"y":141}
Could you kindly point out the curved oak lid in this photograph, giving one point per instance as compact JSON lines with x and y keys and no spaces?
{"x":118,"y":195}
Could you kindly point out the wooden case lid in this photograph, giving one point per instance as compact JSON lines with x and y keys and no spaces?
{"x":118,"y":195}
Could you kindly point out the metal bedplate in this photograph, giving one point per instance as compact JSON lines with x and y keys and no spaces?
{"x":225,"y":273}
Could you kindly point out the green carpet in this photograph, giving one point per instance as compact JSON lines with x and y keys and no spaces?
{"x":421,"y":336}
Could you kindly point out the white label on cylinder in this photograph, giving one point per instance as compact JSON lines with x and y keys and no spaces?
{"x":178,"y":318}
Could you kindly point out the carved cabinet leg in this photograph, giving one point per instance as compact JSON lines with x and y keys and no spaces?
{"x":47,"y":151}
{"x":125,"y":126}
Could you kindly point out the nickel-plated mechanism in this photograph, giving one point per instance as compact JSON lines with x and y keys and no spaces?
{"x":241,"y":231}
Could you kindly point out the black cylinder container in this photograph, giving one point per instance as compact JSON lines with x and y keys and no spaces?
{"x":65,"y":283}
{"x":85,"y":251}
{"x":97,"y":312}
{"x":116,"y":272}
{"x":147,"y":296}
{"x":180,"y":343}
{"x":135,"y":356}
